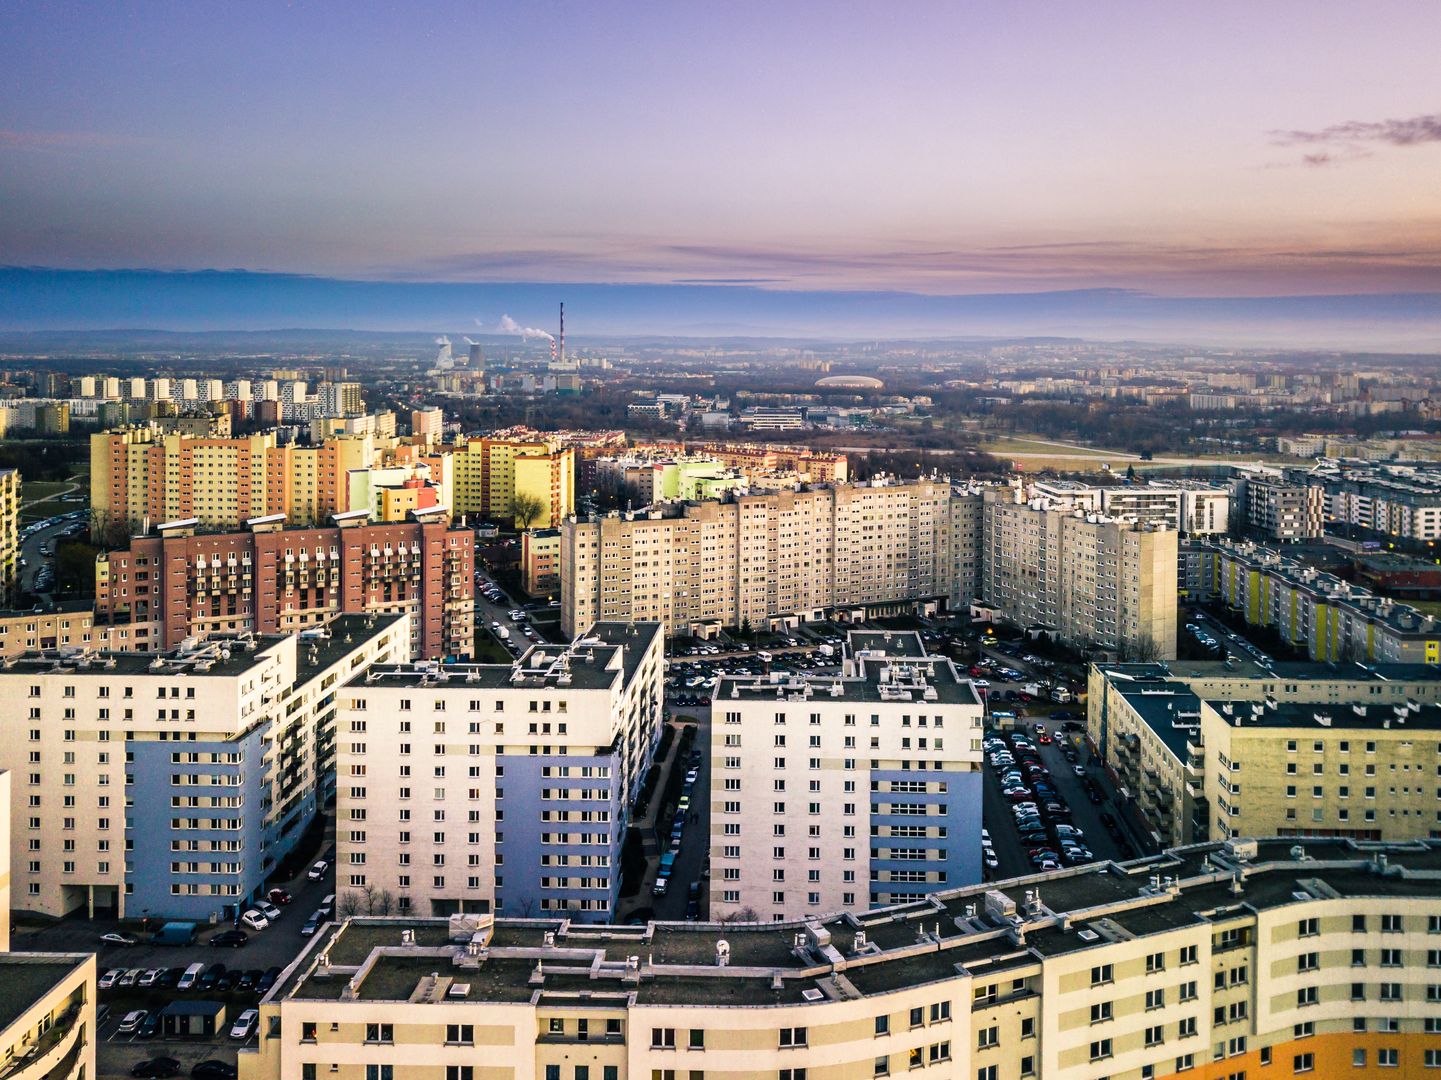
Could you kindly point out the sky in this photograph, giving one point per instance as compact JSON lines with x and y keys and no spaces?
{"x":1186,"y":150}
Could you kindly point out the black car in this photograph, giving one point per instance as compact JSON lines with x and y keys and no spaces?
{"x":150,"y":1027}
{"x":230,"y":939}
{"x":248,"y":979}
{"x":169,"y":977}
{"x":226,"y":981}
{"x":156,"y":1067}
{"x":210,"y":977}
{"x":214,"y":1069}
{"x":692,"y":911}
{"x":269,"y":979}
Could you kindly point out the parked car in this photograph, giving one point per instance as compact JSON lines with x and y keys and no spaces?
{"x":156,"y":1067}
{"x":244,"y":1024}
{"x":269,"y":910}
{"x":150,"y":1028}
{"x":214,"y":1069}
{"x":131,"y":1021}
{"x":279,"y":896}
{"x":268,"y":980}
{"x":117,"y":939}
{"x":254,"y":919}
{"x":150,"y":977}
{"x":316,"y":872}
{"x":230,"y":939}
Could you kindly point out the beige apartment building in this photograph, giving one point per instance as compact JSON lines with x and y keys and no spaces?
{"x":66,"y":626}
{"x":490,"y":474}
{"x":1327,"y":750}
{"x":1206,"y":962}
{"x":47,"y":1000}
{"x":774,"y":558}
{"x":496,"y":787}
{"x":9,"y":534}
{"x":854,"y":790}
{"x":1092,"y":581}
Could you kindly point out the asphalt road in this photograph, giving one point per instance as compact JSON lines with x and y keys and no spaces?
{"x":695,"y":841}
{"x":30,"y":552}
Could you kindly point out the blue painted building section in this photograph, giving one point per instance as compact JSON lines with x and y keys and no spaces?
{"x":961,"y":820}
{"x":519,"y":892}
{"x":258,"y":844}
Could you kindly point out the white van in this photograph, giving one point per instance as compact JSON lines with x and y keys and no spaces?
{"x":190,"y":976}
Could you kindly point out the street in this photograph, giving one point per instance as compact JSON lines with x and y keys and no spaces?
{"x":695,"y":842}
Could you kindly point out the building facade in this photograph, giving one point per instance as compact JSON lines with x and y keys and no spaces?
{"x":163,"y":589}
{"x":497,"y":787}
{"x":1207,"y":962}
{"x":849,"y":791}
{"x":772,"y":558}
{"x":9,"y":535}
{"x":490,"y":473}
{"x":1093,"y":581}
{"x":172,"y":785}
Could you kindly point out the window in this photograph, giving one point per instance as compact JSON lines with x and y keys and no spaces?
{"x":882,"y":1066}
{"x":662,"y":1038}
{"x":1102,"y":973}
{"x":792,"y":1037}
{"x":1100,"y":1049}
{"x":697,"y":1039}
{"x":793,"y":1074}
{"x":1156,"y":999}
{"x":940,"y":1010}
{"x":380,"y":1072}
{"x":1155,"y":1035}
{"x":1309,"y":927}
{"x":307,"y":1031}
{"x":1100,"y":1012}
{"x":379,"y":1033}
{"x":988,"y":1038}
{"x":1155,"y":962}
{"x":1388,"y":1058}
{"x":1358,"y":1058}
{"x":460,"y":1072}
{"x":1305,"y":996}
{"x":1189,"y":955}
{"x":1303,"y":1063}
{"x":461,"y":1034}
{"x":1308,"y":962}
{"x":988,"y":1072}
{"x":883,"y":1025}
{"x":1391,"y":924}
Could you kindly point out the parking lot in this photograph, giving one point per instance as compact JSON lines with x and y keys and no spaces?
{"x":236,"y":977}
{"x":1103,"y":832}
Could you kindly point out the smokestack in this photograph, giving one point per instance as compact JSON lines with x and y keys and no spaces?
{"x":562,"y":331}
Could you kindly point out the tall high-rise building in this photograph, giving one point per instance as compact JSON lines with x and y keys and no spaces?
{"x":173,"y":785}
{"x":491,"y":473}
{"x":776,"y":557}
{"x":847,"y":791}
{"x":427,"y":426}
{"x":1088,"y":579}
{"x":9,"y":534}
{"x":498,"y":787}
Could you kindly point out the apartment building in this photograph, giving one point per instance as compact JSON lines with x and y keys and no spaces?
{"x":772,"y":558}
{"x":491,"y":472}
{"x":1186,"y":506}
{"x":1279,"y":509}
{"x":497,"y":787}
{"x":172,"y":784}
{"x":66,"y":625}
{"x":140,"y":476}
{"x":540,"y":551}
{"x":1330,"y":618}
{"x":164,"y":589}
{"x":1091,"y":580}
{"x":844,"y":791}
{"x":1175,"y":735}
{"x":9,"y":534}
{"x":47,"y":1007}
{"x":1387,"y":499}
{"x":1208,"y":962}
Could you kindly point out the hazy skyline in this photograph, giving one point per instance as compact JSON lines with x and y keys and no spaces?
{"x":1200,"y":150}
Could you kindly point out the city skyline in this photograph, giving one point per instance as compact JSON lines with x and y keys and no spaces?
{"x":1222,"y":152}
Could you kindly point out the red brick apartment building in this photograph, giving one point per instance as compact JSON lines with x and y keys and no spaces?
{"x":270,"y":579}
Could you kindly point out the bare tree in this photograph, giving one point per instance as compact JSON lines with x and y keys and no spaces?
{"x":353,"y":903}
{"x":381,"y":902}
{"x":744,"y":915}
{"x":526,"y":508}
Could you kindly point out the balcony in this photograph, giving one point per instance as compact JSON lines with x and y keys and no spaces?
{"x":55,"y":1055}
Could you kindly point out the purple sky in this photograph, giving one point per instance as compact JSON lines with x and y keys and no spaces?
{"x":1187,"y":149}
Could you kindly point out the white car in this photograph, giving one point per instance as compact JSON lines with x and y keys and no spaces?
{"x":132,"y":1021}
{"x":244,"y":1024}
{"x":982,"y":683}
{"x":110,"y":978}
{"x":316,"y":872}
{"x":117,"y":939}
{"x":269,"y":910}
{"x":150,"y":977}
{"x":254,"y":920}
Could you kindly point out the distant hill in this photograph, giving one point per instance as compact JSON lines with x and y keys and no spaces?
{"x":38,"y":299}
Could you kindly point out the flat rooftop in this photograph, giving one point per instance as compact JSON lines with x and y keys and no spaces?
{"x":317,"y":653}
{"x":593,"y":661}
{"x":982,"y":930}
{"x":1169,"y":708}
{"x":1286,"y":670}
{"x":27,"y":977}
{"x":1399,"y":716}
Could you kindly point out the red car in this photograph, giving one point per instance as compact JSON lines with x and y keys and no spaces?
{"x":1044,"y":738}
{"x":278,"y":896}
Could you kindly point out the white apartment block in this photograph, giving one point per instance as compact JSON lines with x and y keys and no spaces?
{"x":1205,"y":962}
{"x":773,"y":558}
{"x":1190,"y":507}
{"x":844,"y":791}
{"x":496,"y":787}
{"x":1092,"y":580}
{"x":172,"y":784}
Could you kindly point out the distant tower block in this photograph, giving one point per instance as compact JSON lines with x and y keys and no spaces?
{"x":477,"y":361}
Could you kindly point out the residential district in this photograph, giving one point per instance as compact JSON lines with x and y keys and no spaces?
{"x":378,"y":744}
